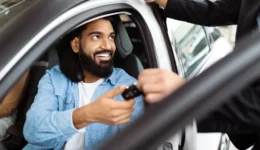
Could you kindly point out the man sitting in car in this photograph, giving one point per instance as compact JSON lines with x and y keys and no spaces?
{"x":79,"y":103}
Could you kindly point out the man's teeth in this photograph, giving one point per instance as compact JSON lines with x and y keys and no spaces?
{"x":103,"y":55}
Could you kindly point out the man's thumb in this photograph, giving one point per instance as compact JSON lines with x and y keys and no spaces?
{"x":114,"y":92}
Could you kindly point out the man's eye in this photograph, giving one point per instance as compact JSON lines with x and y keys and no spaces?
{"x":96,"y":37}
{"x":112,"y":37}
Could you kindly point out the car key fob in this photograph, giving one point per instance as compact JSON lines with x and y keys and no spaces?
{"x":131,"y":92}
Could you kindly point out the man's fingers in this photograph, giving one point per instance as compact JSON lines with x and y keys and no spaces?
{"x":125,"y":121}
{"x":152,"y":88}
{"x":142,"y":80}
{"x":123,"y":104}
{"x":151,"y":72}
{"x":149,"y":76}
{"x":130,"y":101}
{"x":153,"y":97}
{"x":122,"y":112}
{"x":124,"y":116}
{"x":114,"y":92}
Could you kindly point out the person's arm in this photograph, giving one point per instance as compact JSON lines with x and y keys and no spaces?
{"x":49,"y":128}
{"x":12,"y":99}
{"x":240,"y":135}
{"x":203,"y":12}
{"x":239,"y":117}
{"x":105,"y":110}
{"x":45,"y":126}
{"x":243,"y":108}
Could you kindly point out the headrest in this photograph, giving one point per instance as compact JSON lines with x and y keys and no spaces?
{"x":123,"y":42}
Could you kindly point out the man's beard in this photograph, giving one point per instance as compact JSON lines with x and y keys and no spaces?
{"x":90,"y":65}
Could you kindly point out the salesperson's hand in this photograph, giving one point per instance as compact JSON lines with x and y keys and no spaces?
{"x":158,"y":83}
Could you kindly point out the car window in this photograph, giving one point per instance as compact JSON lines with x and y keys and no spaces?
{"x":51,"y":57}
{"x":12,"y":8}
{"x":190,"y":42}
{"x":139,"y":37}
{"x":136,"y":39}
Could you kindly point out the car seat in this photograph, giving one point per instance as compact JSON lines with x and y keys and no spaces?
{"x":124,"y":58}
{"x":15,"y":139}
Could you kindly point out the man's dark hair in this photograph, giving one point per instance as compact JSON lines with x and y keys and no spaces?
{"x":69,"y":61}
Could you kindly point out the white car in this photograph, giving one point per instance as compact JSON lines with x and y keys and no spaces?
{"x":32,"y":30}
{"x":198,"y":48}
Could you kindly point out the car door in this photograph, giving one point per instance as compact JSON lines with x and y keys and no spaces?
{"x":29,"y":34}
{"x":206,"y":93}
{"x":197,"y":48}
{"x":191,"y":46}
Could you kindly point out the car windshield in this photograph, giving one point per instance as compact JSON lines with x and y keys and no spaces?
{"x":11,"y":8}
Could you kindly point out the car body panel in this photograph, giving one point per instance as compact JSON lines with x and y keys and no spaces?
{"x":31,"y":31}
{"x":210,"y":54}
{"x":41,"y":27}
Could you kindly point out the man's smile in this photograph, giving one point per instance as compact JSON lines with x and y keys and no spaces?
{"x":103,"y":55}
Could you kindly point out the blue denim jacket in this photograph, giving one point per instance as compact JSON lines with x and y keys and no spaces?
{"x":49,"y":121}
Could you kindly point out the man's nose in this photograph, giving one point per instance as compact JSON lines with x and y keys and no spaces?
{"x":106,"y":44}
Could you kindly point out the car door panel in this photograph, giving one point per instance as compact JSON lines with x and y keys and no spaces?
{"x":40,"y":34}
{"x":231,"y":74}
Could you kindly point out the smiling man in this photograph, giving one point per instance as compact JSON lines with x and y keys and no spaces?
{"x":79,"y":104}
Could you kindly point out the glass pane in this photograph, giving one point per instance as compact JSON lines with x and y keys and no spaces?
{"x":191,"y":44}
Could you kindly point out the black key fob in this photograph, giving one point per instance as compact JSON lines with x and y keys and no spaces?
{"x":131,"y":92}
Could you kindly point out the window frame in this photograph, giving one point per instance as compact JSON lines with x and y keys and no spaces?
{"x":180,"y":65}
{"x":228,"y":76}
{"x":31,"y":54}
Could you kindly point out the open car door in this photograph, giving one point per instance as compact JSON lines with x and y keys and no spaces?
{"x":195,"y":99}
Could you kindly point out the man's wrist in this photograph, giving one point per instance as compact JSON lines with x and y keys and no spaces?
{"x":88,"y":115}
{"x":81,"y":117}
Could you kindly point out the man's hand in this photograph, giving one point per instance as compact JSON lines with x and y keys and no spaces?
{"x":158,"y":83}
{"x":162,"y":3}
{"x":105,"y":110}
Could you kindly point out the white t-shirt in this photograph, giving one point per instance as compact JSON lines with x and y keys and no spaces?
{"x":86,"y":90}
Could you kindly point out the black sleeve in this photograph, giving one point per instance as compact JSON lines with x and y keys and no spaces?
{"x":204,"y":12}
{"x":240,"y":117}
{"x":244,"y":107}
{"x":242,"y":140}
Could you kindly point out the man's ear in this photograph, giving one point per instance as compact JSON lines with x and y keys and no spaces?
{"x":75,"y":45}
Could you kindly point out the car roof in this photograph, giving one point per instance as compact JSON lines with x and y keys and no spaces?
{"x":26,"y":25}
{"x":22,"y":32}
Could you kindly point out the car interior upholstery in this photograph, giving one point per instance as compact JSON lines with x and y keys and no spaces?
{"x":124,"y":58}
